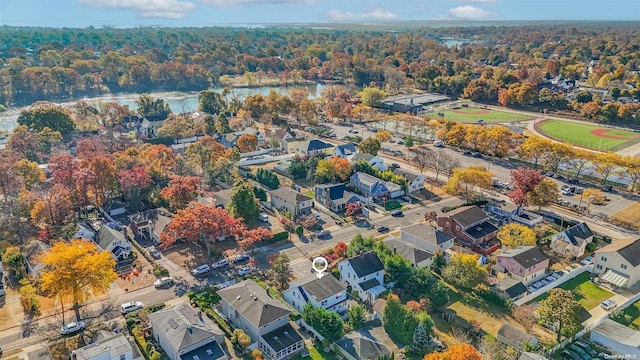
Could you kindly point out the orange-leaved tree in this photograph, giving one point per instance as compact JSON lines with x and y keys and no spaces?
{"x":180,"y":191}
{"x":247,"y":143}
{"x":76,"y":270}
{"x":456,"y":352}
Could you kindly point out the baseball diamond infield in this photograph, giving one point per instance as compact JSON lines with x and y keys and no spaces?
{"x":585,"y":135}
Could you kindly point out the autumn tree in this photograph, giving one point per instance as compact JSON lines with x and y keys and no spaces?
{"x":465,"y":271}
{"x":281,"y":270}
{"x":543,"y":194}
{"x":205,"y":152}
{"x":25,"y":142}
{"x":372,"y":96}
{"x":370,"y":146}
{"x":210,"y":102}
{"x":558,"y":154}
{"x":76,"y":270}
{"x":134,"y":183}
{"x":53,"y":206}
{"x":333,"y":170}
{"x":45,"y":114}
{"x":523,"y":180}
{"x":559,"y":311}
{"x":102,"y":180}
{"x":240,"y":338}
{"x":456,"y":352}
{"x":243,"y":203}
{"x":607,"y":164}
{"x":247,"y":143}
{"x":513,"y":235}
{"x":180,"y":191}
{"x":353,"y":209}
{"x":534,"y":148}
{"x":467,"y":181}
{"x":382,"y":136}
{"x":581,"y":158}
{"x":29,"y":172}
{"x":14,"y":260}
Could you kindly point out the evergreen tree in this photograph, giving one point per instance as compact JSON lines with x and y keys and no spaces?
{"x":420,"y":339}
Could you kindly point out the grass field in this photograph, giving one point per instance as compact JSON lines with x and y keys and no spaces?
{"x":585,"y":135}
{"x":472,"y":115}
{"x":588,"y":294}
{"x":630,"y":214}
{"x":630,"y":316}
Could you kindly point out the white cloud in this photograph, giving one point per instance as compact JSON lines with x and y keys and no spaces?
{"x":372,"y":14}
{"x":170,"y":9}
{"x":231,"y":3}
{"x":470,"y":12}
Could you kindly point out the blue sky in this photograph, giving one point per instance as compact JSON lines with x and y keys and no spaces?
{"x":131,"y":13}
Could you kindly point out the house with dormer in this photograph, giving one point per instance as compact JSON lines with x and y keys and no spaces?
{"x":471,"y":227}
{"x":345,"y":151}
{"x":335,"y":197}
{"x":572,"y":242}
{"x":527,"y":264}
{"x":365,"y":274}
{"x":286,"y":198}
{"x":282,"y":136}
{"x":415,"y":181}
{"x":113,"y":241}
{"x":149,"y":225}
{"x":374,"y":188}
{"x":326,"y":292}
{"x":313,"y":147}
{"x":373,"y":160}
{"x":265,"y":319}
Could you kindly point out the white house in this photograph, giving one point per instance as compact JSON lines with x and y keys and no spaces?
{"x":327,"y":293}
{"x":107,"y":346}
{"x":265,"y":319}
{"x":365,"y":274}
{"x":345,"y":151}
{"x":113,"y":241}
{"x":186,"y":333}
{"x":415,"y":181}
{"x":286,"y":198}
{"x":150,"y":224}
{"x":282,"y":136}
{"x":372,"y":160}
{"x":425,"y":237}
{"x":572,"y":242}
{"x":617,"y":338}
{"x":410,"y":252}
{"x":619,"y":263}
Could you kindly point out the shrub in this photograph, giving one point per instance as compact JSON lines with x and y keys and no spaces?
{"x":392,"y":205}
{"x":155,"y":307}
{"x":591,"y":247}
{"x":160,"y":271}
{"x":299,"y":230}
{"x":283,"y":235}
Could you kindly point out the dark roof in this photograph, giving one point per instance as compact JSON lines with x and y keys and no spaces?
{"x":408,"y":252}
{"x":347,"y":149}
{"x":315,"y":144}
{"x":578,"y":233}
{"x":113,"y":204}
{"x":631,"y":253}
{"x":361,"y":347}
{"x":526,"y":256}
{"x":467,"y":215}
{"x":513,"y":288}
{"x":428,"y":234}
{"x":320,"y":289}
{"x":336,"y":191}
{"x":369,"y":284}
{"x":210,"y":351}
{"x":480,"y":230}
{"x":363,"y":156}
{"x":159,"y":218}
{"x":513,"y":336}
{"x":254,"y":303}
{"x":289,"y":195}
{"x":409,"y":175}
{"x":282,"y":337}
{"x":281,"y":134}
{"x":365,"y":264}
{"x":107,"y":235}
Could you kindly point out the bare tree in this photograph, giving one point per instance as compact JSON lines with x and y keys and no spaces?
{"x":441,"y":162}
{"x":420,"y":157}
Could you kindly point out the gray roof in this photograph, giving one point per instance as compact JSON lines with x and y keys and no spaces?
{"x":183,"y":326}
{"x":313,"y":145}
{"x":370,"y":181}
{"x":428,"y":234}
{"x":115,"y":345}
{"x":578,"y":233}
{"x":369,"y":284}
{"x":289,"y":195}
{"x":107,"y":235}
{"x":32,"y":255}
{"x":631,"y":253}
{"x":467,"y":215}
{"x":514,"y":336}
{"x":282,"y":337}
{"x":365,"y":264}
{"x":526,"y":256}
{"x":619,"y":333}
{"x":362,"y":157}
{"x":407,"y":251}
{"x":254,"y":303}
{"x":320,"y":289}
{"x":158,"y":218}
{"x":409,"y":175}
{"x":361,"y":347}
{"x":512,"y":287}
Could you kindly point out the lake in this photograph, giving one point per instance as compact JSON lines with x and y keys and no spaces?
{"x":178,"y":101}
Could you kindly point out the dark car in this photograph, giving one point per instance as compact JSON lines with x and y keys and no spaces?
{"x":477,"y":155}
{"x":467,"y":152}
{"x":155,"y":254}
{"x":607,"y":188}
{"x":241,"y":258}
{"x":573,"y":181}
{"x":396,"y":212}
{"x":576,"y":349}
{"x":586,"y":348}
{"x":570,"y":356}
{"x":394,"y":166}
{"x":558,"y":176}
{"x":383,"y":228}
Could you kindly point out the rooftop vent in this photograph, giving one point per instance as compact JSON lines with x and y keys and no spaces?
{"x":196,"y":357}
{"x":286,"y":333}
{"x":275,"y":338}
{"x":209,"y":352}
{"x":238,"y":297}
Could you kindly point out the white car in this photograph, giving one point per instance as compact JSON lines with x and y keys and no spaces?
{"x":245,"y":270}
{"x":131,"y":306}
{"x":220,"y":264}
{"x":608,"y":304}
{"x":72,"y":327}
{"x":162,"y":282}
{"x":202,"y":269}
{"x":586,"y":261}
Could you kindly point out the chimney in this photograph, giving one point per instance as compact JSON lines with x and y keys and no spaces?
{"x":395,"y":251}
{"x":200,"y":315}
{"x":190,"y":328}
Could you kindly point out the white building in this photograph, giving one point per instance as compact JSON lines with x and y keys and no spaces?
{"x":617,"y":338}
{"x":286,"y":198}
{"x":619,"y":263}
{"x":327,"y":293}
{"x":113,"y":241}
{"x":365,"y":274}
{"x":107,"y":346}
{"x":425,"y":237}
{"x":415,"y":181}
{"x":372,"y":160}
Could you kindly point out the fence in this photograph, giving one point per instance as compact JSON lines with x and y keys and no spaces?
{"x":625,"y":144}
{"x":548,"y":287}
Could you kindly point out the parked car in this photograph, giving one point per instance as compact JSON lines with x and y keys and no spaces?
{"x":220,"y":264}
{"x":263,"y":217}
{"x":304,"y":354}
{"x":549,"y":174}
{"x":383,"y":228}
{"x":130,"y":306}
{"x":163,"y":282}
{"x":245,"y":270}
{"x":535,"y":287}
{"x":607,"y":188}
{"x":558,"y":274}
{"x":586,"y":261}
{"x":573,"y":181}
{"x":155,"y":254}
{"x":407,"y":199}
{"x":477,"y":155}
{"x":467,"y":152}
{"x":241,"y":258}
{"x":550,"y":279}
{"x":570,"y":355}
{"x":202,"y":269}
{"x":567,"y":193}
{"x":396,"y":212}
{"x":544,"y":282}
{"x":322,"y":233}
{"x":586,"y":348}
{"x":576,"y":349}
{"x":394,"y":166}
{"x":608,"y":304}
{"x":72,"y":327}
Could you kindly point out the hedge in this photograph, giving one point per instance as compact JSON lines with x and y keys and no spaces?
{"x":392,"y":205}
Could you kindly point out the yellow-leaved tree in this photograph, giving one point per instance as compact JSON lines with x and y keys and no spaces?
{"x":513,"y":235}
{"x":76,"y":270}
{"x":467,"y":181}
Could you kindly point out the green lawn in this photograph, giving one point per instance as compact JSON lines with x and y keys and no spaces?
{"x":472,"y":115}
{"x":314,"y":354}
{"x":580,"y":134}
{"x":629,"y":317}
{"x":587,"y":293}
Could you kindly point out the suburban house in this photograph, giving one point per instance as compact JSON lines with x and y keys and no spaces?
{"x":85,"y":231}
{"x":415,"y":181}
{"x":508,"y":288}
{"x":374,"y":188}
{"x":265,"y":319}
{"x":312,"y":147}
{"x":571,"y":242}
{"x":113,"y":208}
{"x":373,"y":160}
{"x":223,"y":197}
{"x":365,"y":274}
{"x":230,"y":140}
{"x":145,"y":125}
{"x":107,"y":345}
{"x":335,"y":197}
{"x":113,"y":241}
{"x":617,"y":338}
{"x":345,"y":151}
{"x":524,"y":263}
{"x":426,"y":237}
{"x":186,"y":333}
{"x":32,"y":254}
{"x":286,"y":198}
{"x":148,"y":225}
{"x":355,"y":346}
{"x":326,"y":292}
{"x":378,"y":309}
{"x":471,"y":227}
{"x":509,"y":212}
{"x":282,"y":136}
{"x":515,"y":337}
{"x":408,"y":251}
{"x":619,"y":263}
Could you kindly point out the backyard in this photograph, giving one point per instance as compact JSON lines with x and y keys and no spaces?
{"x":588,"y":294}
{"x":585,"y":135}
{"x":629,"y":317}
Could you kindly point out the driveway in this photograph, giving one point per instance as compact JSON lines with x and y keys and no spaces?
{"x":598,"y":312}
